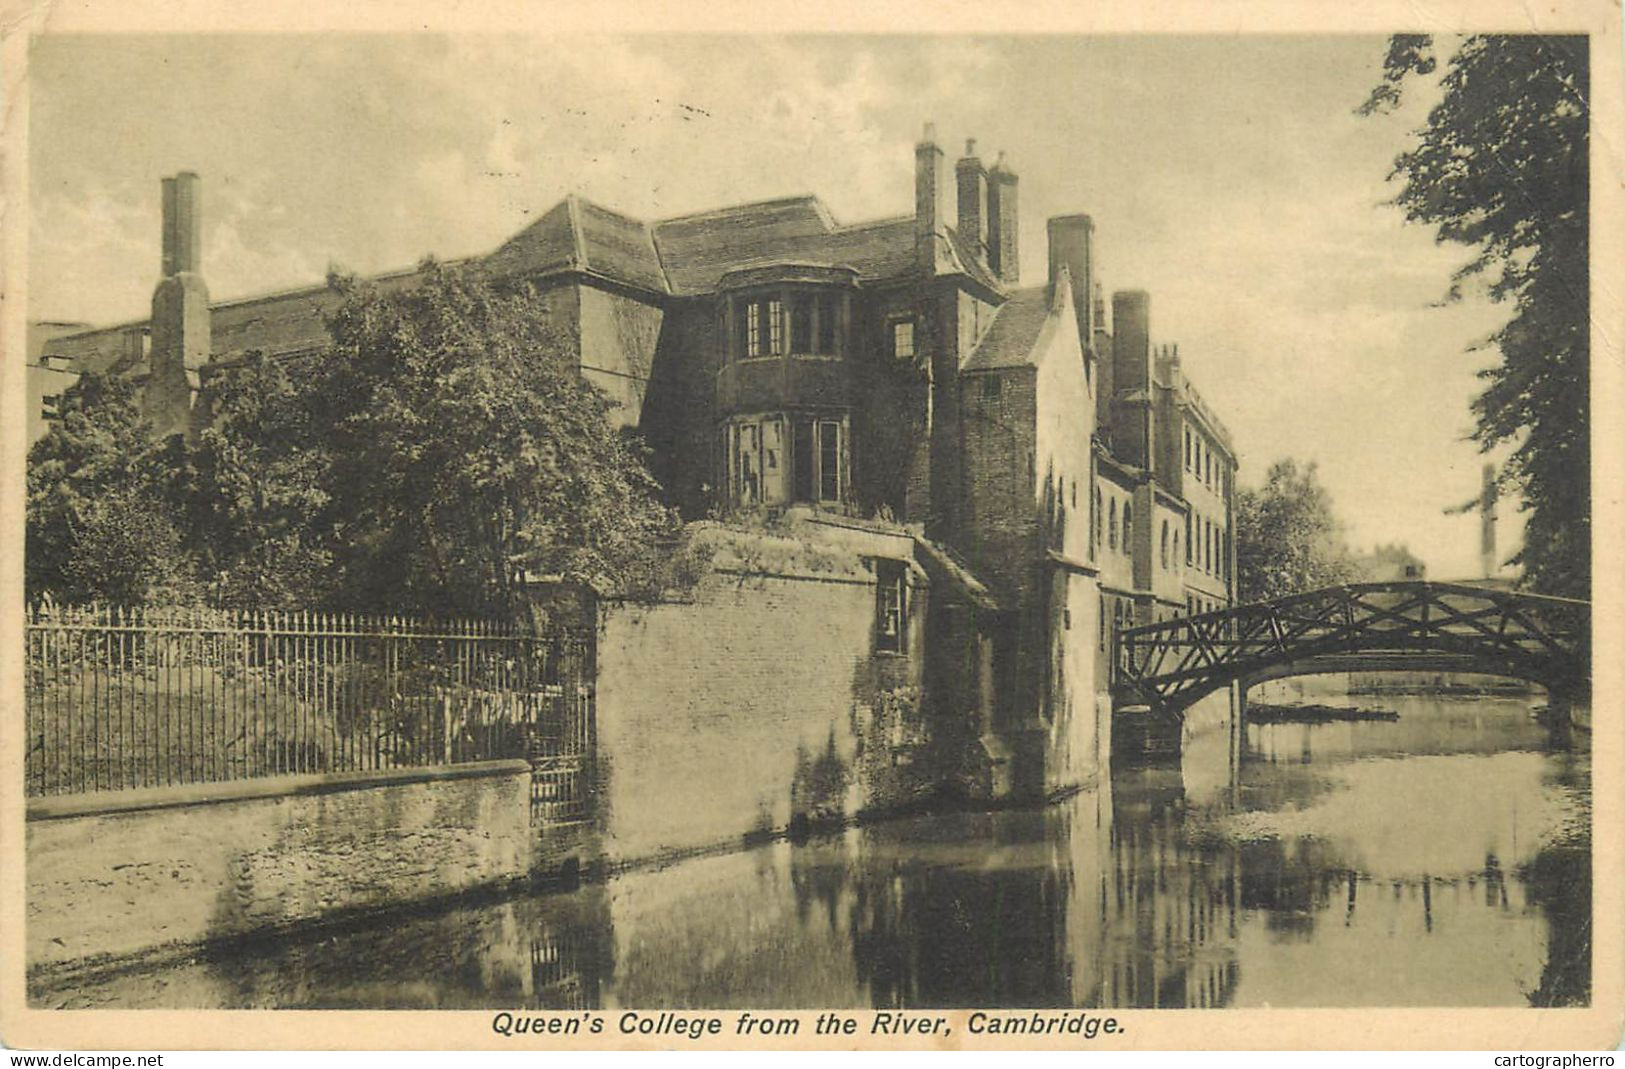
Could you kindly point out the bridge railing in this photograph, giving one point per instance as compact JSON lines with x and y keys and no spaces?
{"x":1526,"y":635}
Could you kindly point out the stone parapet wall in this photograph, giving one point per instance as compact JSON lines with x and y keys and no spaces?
{"x":125,"y":871}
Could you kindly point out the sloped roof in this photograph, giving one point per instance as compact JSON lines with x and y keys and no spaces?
{"x":578,"y":235}
{"x":1014,"y":332}
{"x":682,"y":256}
{"x":547,"y":244}
{"x":689,"y":254}
{"x":618,"y":246}
{"x":937,"y":558}
{"x":968,"y":262}
{"x":697,"y":250}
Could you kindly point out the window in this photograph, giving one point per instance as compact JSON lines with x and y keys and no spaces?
{"x":805,"y":459}
{"x":1189,"y":542}
{"x":991,"y":385}
{"x":902,"y":339}
{"x":744,"y":471}
{"x":755,"y":458}
{"x":817,"y":449}
{"x":1074,"y":493}
{"x":1096,"y":526}
{"x":1111,"y":525}
{"x":1187,"y":449}
{"x":801,"y":325}
{"x":764,"y":326}
{"x":829,"y":311}
{"x":1128,"y":527}
{"x":1176,"y":547}
{"x":829,"y":461}
{"x":1164,"y":545}
{"x":1102,"y":628}
{"x":891,"y":606}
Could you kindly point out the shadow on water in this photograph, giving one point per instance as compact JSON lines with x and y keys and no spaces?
{"x":1443,"y":859}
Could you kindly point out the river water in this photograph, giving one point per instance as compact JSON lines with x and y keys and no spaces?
{"x":1441,"y":859}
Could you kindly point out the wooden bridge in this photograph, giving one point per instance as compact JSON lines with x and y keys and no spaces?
{"x":1399,"y":626}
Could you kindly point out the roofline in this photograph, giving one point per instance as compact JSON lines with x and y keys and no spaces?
{"x":726,"y":209}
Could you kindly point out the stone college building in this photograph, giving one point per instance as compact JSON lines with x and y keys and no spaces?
{"x":1016,"y":467}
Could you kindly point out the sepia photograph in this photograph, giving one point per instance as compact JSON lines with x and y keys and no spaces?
{"x":656,"y":535}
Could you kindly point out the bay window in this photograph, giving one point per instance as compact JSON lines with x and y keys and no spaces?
{"x":779,"y":459}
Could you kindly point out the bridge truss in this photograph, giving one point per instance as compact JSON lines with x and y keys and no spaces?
{"x":1394,"y":625}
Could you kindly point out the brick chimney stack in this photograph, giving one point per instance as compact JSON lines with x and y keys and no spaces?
{"x":183,"y":246}
{"x":1071,"y":242}
{"x":1003,"y":255}
{"x":1132,"y":431}
{"x":930,"y":200}
{"x":180,"y":311}
{"x":972,"y":179}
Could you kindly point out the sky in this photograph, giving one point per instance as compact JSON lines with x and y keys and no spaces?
{"x":1228,"y":176}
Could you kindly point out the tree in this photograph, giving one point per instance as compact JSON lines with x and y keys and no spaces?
{"x":1287,"y":537}
{"x":1502,"y":166}
{"x":252,"y":488}
{"x":465,"y":450}
{"x":98,"y":528}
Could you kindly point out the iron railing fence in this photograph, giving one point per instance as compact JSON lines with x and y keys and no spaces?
{"x":147,"y":697}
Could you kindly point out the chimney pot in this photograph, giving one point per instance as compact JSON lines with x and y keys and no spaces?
{"x":930,"y":135}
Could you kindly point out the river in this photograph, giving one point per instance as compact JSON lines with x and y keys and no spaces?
{"x":1442,"y":859}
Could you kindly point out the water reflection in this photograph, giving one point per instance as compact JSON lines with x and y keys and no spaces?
{"x":1442,"y":859}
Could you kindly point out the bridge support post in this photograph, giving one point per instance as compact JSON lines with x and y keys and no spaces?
{"x":1559,"y":719}
{"x":1143,"y":737}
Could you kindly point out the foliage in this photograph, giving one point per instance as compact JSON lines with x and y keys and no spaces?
{"x":98,"y":528}
{"x":443,"y":448}
{"x":251,"y":489}
{"x":465,"y":450}
{"x":1288,"y":539}
{"x":1502,"y":166}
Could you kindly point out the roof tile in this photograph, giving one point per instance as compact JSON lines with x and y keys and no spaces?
{"x":1014,"y":332}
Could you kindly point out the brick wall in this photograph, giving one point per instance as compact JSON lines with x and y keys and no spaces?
{"x":760,"y":699}
{"x":125,"y":871}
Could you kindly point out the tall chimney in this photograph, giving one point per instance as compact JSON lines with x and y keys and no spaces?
{"x":183,"y":244}
{"x":1132,"y":431}
{"x":972,"y":199}
{"x":1002,"y":223}
{"x":1486,"y":523}
{"x":1071,"y":242}
{"x":180,"y":312}
{"x":1131,"y":339}
{"x":930,"y":200}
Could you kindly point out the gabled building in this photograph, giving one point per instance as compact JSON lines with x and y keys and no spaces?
{"x":1054,"y":464}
